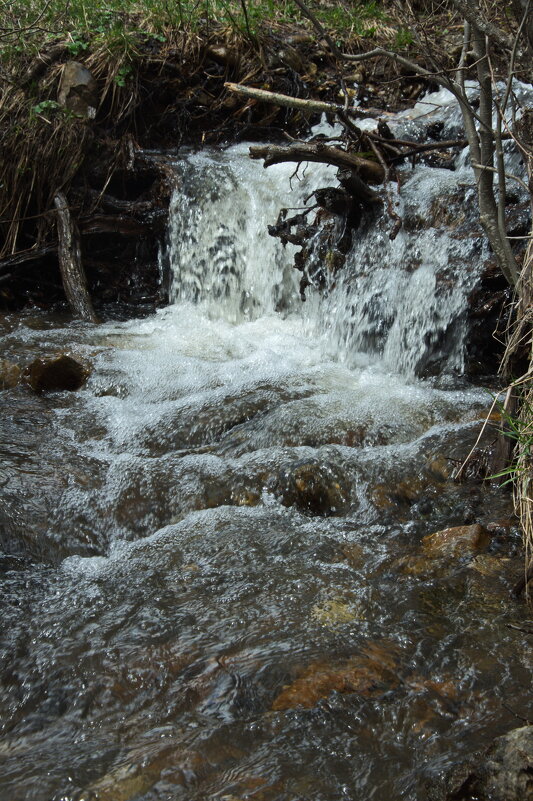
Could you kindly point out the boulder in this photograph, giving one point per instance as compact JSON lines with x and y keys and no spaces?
{"x":78,"y":91}
{"x":9,"y":374}
{"x":503,"y":773}
{"x":313,"y":488}
{"x":57,"y":373}
{"x":456,"y":542}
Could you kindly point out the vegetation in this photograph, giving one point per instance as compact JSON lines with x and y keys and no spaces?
{"x":44,"y":145}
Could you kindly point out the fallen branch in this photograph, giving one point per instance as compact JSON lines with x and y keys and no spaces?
{"x":69,"y":256}
{"x":286,"y":101}
{"x":317,"y":152}
{"x":112,"y":224}
{"x":390,"y":202}
{"x":26,"y":257}
{"x":113,"y":204}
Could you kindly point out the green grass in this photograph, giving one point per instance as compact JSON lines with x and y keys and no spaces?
{"x":25,"y":25}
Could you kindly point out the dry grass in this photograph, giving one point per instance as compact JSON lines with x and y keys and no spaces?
{"x":523,"y":484}
{"x":44,"y":146}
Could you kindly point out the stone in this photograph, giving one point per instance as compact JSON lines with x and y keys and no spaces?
{"x":366,"y":674}
{"x":403,"y":494}
{"x":290,"y":57}
{"x":9,"y":374}
{"x":503,"y":773}
{"x":489,"y":565}
{"x":223,"y":55}
{"x":313,"y":488}
{"x":57,"y":373}
{"x":456,"y":542}
{"x":78,"y":91}
{"x":335,"y":612}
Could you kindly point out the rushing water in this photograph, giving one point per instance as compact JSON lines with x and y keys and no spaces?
{"x":212,"y":582}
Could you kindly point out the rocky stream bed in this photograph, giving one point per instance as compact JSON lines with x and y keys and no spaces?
{"x":237,"y":562}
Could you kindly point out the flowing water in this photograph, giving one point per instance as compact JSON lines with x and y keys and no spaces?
{"x":213,"y":585}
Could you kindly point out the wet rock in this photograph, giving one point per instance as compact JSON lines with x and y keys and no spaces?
{"x":141,"y":771}
{"x":403,"y":494}
{"x":445,"y":210}
{"x":456,"y":542}
{"x":422,"y":567}
{"x":335,"y":612}
{"x":313,"y":488}
{"x":489,"y":565}
{"x":57,"y":373}
{"x":354,"y":554}
{"x":367,"y":674}
{"x":78,"y":91}
{"x":9,"y":374}
{"x":245,"y":497}
{"x":504,"y":773}
{"x":440,"y":468}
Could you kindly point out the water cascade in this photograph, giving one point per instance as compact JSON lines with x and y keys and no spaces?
{"x":213,"y":577}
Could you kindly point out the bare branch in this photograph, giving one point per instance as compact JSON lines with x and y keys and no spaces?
{"x":470,"y":11}
{"x":297,"y":102}
{"x":319,"y":27}
{"x":317,"y":152}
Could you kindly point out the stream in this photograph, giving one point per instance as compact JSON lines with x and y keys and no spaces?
{"x":213,"y":579}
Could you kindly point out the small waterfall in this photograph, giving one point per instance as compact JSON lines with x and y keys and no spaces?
{"x":402,"y":302}
{"x":405,"y":301}
{"x":221,"y":252}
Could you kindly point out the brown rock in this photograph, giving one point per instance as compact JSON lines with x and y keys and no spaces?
{"x":57,"y":373}
{"x":402,"y":494}
{"x":312,"y":488}
{"x":223,"y":55}
{"x":292,"y":59}
{"x":9,"y":374}
{"x":456,"y":542}
{"x":420,"y":566}
{"x":440,"y":468}
{"x":78,"y":90}
{"x":366,"y":674}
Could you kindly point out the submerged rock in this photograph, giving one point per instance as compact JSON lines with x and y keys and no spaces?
{"x":9,"y":374}
{"x":57,"y":373}
{"x":313,"y":488}
{"x":367,"y":674}
{"x":456,"y":542}
{"x":503,"y":773}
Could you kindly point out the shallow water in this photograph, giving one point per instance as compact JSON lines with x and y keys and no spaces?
{"x":213,"y":582}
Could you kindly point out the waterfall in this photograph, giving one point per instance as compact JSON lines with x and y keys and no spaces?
{"x":402,"y":303}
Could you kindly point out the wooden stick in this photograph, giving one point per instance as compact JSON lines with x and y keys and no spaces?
{"x":286,"y":101}
{"x":69,"y":256}
{"x":317,"y":152}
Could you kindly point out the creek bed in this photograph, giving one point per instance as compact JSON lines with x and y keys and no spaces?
{"x":214,"y":582}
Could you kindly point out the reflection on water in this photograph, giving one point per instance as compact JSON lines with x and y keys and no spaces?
{"x":213,"y":583}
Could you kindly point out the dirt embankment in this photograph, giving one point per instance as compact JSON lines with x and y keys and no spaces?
{"x":91,"y":139}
